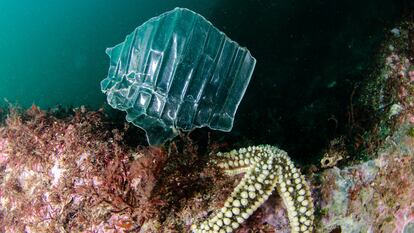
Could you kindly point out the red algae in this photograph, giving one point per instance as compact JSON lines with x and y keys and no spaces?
{"x":73,"y":174}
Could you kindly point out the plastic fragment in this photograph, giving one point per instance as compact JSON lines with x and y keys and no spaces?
{"x":177,"y":71}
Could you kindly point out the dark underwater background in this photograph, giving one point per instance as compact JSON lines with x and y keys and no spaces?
{"x":311,"y":55}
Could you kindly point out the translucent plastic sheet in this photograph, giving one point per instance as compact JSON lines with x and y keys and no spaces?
{"x":177,"y":71}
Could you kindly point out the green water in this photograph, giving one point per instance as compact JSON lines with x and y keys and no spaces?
{"x":311,"y":54}
{"x":53,"y":52}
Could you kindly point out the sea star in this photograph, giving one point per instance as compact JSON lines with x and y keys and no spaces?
{"x":265,"y":168}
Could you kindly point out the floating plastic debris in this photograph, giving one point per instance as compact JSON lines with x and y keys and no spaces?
{"x":177,"y":71}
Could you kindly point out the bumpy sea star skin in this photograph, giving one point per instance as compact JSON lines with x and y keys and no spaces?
{"x":265,"y":168}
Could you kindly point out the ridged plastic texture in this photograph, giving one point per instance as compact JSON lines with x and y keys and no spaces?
{"x":177,"y":71}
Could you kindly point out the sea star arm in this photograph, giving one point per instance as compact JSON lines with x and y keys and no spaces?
{"x":265,"y":168}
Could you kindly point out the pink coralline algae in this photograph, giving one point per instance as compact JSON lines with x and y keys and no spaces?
{"x":404,"y":219}
{"x":375,"y":196}
{"x":3,"y":154}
